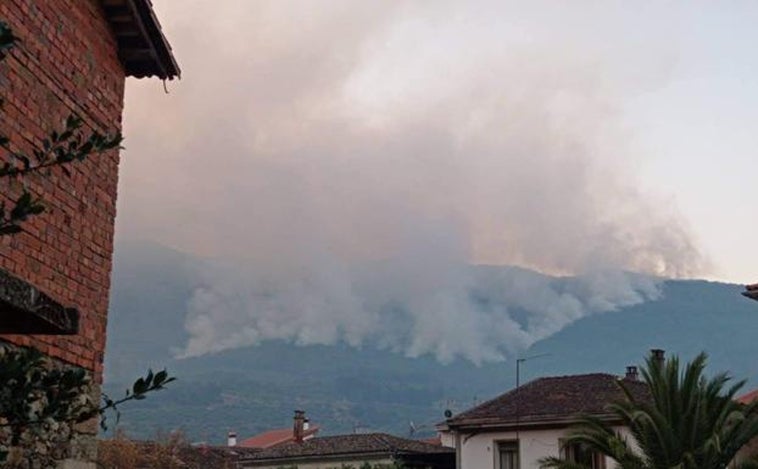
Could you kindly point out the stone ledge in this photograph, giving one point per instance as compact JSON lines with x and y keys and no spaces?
{"x":24,"y":309}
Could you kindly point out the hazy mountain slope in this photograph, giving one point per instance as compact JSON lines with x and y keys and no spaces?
{"x":256,"y":388}
{"x":150,"y":287}
{"x":692,"y":316}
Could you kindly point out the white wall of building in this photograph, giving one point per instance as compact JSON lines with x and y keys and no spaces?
{"x":480,"y":451}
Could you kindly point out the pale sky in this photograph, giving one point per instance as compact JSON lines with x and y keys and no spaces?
{"x":451,"y":121}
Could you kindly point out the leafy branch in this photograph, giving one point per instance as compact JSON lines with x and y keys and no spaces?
{"x":151,"y":382}
{"x":36,"y":391}
{"x":57,"y":150}
{"x":40,"y":401}
{"x":38,"y":397}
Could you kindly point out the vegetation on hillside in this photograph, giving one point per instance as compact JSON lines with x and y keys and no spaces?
{"x":343,"y":387}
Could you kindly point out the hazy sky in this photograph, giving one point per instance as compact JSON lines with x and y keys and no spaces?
{"x":343,"y":162}
{"x":564,"y":136}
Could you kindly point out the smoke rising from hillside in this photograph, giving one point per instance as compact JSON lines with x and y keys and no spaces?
{"x":345,"y":163}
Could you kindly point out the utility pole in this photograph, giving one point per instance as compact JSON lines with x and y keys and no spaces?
{"x":519,"y":361}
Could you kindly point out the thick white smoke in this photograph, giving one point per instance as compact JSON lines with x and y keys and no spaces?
{"x":480,"y":314}
{"x":347,"y":162}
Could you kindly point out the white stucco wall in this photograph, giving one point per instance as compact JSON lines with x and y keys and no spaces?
{"x":480,"y":451}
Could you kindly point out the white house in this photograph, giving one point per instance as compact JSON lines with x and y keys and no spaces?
{"x":517,"y":429}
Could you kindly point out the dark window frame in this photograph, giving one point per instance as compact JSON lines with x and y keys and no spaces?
{"x":511,"y":447}
{"x":579,"y":453}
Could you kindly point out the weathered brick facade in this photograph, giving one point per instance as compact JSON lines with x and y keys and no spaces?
{"x":72,"y":59}
{"x":66,"y":63}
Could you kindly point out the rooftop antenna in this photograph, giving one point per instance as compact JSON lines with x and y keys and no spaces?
{"x":450,"y":406}
{"x":519,"y":361}
{"x":414,"y":428}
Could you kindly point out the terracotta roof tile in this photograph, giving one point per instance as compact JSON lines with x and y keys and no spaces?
{"x":359,"y":444}
{"x":749,"y":397}
{"x":435,"y":440}
{"x":552,"y":399}
{"x":275,"y":437}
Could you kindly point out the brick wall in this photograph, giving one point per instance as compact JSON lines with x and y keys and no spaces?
{"x":66,"y":63}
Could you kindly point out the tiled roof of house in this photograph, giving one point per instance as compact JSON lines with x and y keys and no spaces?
{"x":275,"y":437}
{"x":749,"y":397}
{"x":348,"y":445}
{"x":552,"y":399}
{"x":434,"y":440}
{"x":142,"y":47}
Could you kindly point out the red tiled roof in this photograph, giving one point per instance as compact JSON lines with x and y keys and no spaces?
{"x":339,"y":445}
{"x":435,"y":440}
{"x":551,"y":400}
{"x":276,"y":437}
{"x":749,"y":397}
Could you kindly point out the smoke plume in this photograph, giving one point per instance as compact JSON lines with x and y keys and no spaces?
{"x":346,"y":164}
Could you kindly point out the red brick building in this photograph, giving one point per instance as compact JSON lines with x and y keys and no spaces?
{"x":72,"y":58}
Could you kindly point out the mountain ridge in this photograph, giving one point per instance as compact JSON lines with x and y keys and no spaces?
{"x":255,"y":388}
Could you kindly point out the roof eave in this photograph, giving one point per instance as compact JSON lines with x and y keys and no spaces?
{"x":142,"y":48}
{"x":317,"y":457}
{"x":343,"y":456}
{"x":524,"y":423}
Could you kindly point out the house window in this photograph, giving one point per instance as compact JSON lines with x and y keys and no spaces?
{"x":507,"y":453}
{"x":581,"y":454}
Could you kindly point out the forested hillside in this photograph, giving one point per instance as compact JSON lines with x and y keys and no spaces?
{"x":345,"y":388}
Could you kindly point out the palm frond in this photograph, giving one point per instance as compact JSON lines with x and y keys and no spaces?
{"x":691,"y":421}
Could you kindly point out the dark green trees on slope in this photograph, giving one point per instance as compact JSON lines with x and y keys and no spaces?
{"x":691,"y":421}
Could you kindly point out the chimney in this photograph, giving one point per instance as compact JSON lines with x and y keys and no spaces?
{"x":231,"y":439}
{"x":631,"y":373}
{"x":658,"y":356}
{"x":306,"y":424}
{"x":299,"y":426}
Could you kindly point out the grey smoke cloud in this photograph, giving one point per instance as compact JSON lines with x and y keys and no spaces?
{"x":437,"y":312}
{"x":344,"y":164}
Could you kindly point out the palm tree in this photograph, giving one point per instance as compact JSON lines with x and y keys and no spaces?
{"x":689,"y":421}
